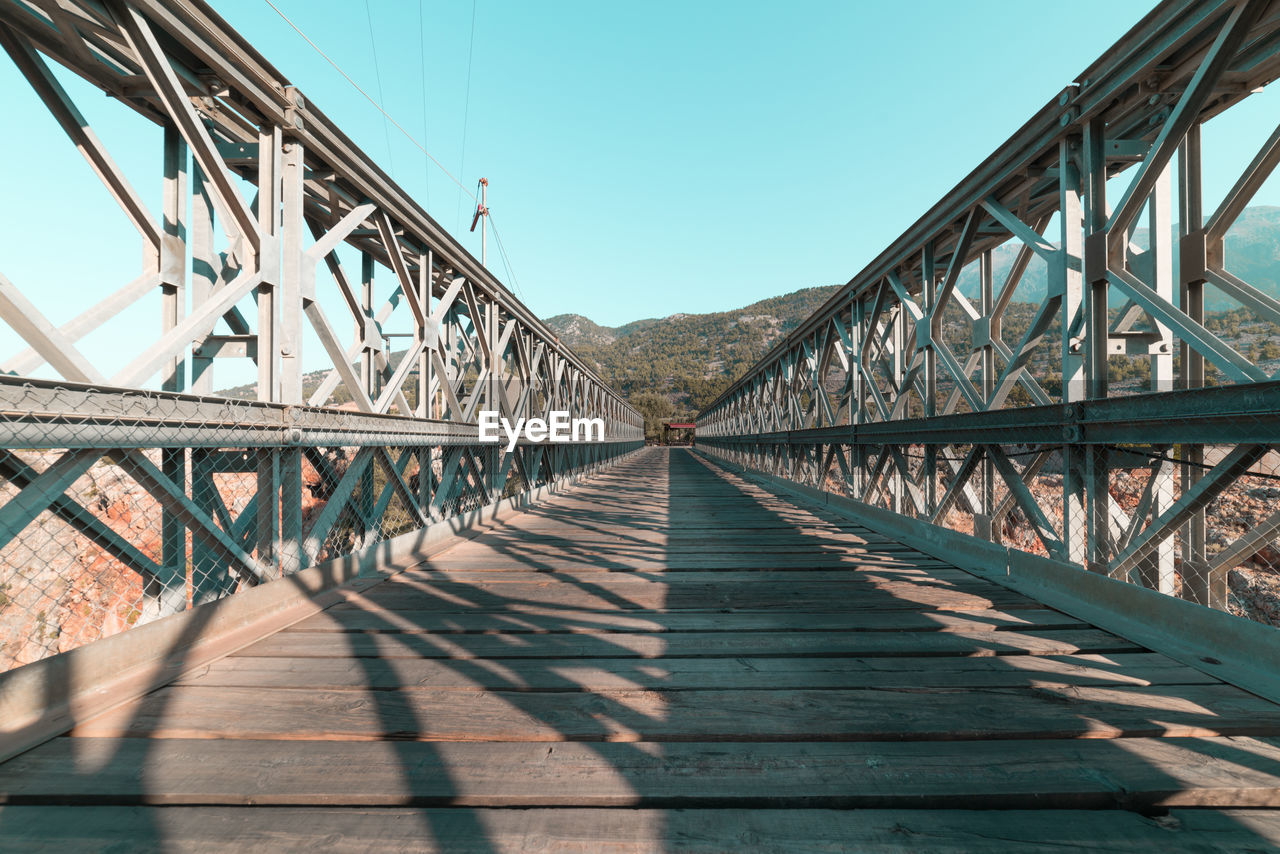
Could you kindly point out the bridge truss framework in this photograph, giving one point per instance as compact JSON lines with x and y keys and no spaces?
{"x":137,"y":494}
{"x":903,"y":393}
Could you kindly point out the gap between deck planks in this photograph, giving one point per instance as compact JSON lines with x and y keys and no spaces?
{"x":667,"y":635}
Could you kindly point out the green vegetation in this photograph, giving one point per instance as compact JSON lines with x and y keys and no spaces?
{"x":656,"y":408}
{"x":685,"y":359}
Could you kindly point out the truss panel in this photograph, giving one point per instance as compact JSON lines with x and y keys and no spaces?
{"x":131,"y":494}
{"x":936,"y":384}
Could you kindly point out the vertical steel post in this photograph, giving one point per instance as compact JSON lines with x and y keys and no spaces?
{"x":369,"y":379}
{"x":929,"y":284}
{"x":987,"y":527}
{"x":898,"y":367}
{"x":170,"y":594}
{"x":492,"y":328}
{"x":269,"y":189}
{"x":208,"y":570}
{"x":856,"y":414}
{"x":1157,"y":570}
{"x":426,"y":262}
{"x":368,"y":372}
{"x":1071,"y":275}
{"x":292,"y":230}
{"x":205,"y":269}
{"x":1096,"y":334}
{"x":1196,"y":584}
{"x":268,"y":460}
{"x":292,"y":233}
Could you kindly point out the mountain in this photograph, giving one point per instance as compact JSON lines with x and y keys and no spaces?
{"x":576,"y":330}
{"x":686,"y":358}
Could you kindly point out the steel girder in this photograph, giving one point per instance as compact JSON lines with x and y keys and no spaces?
{"x":904,"y":392}
{"x":260,"y":190}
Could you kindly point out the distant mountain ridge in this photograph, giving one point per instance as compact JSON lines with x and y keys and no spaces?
{"x":689,"y":358}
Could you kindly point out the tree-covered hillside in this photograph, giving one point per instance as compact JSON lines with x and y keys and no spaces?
{"x":687,"y":358}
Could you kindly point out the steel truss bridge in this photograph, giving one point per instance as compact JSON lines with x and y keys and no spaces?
{"x":938,"y":575}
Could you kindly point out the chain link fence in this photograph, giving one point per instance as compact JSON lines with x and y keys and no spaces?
{"x":107,"y":522}
{"x":1201,"y":522}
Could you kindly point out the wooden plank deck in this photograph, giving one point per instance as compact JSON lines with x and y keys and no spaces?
{"x":669,"y":658}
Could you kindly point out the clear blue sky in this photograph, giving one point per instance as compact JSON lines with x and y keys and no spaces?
{"x":644,"y":159}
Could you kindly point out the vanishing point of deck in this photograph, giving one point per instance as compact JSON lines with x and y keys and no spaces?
{"x":669,"y":657}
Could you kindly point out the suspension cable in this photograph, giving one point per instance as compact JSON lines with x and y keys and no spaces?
{"x":369,"y":98}
{"x":377,"y":76}
{"x":466,"y":112}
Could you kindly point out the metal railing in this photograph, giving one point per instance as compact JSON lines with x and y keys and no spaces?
{"x":135,"y":494}
{"x":1036,"y":361}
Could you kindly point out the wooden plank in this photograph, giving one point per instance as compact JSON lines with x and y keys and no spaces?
{"x":798,"y":596}
{"x":652,"y":530}
{"x":745,"y":556}
{"x":711,"y":538}
{"x":538,"y":620}
{"x":738,"y":545}
{"x":688,"y":518}
{"x":744,"y":549}
{"x":578,"y":646}
{"x":560,"y":561}
{"x":628,"y":831}
{"x":832,"y":580}
{"x":513,"y":674}
{"x":1141,"y":774}
{"x":600,"y":574}
{"x":668,"y":510}
{"x":1182,"y":711}
{"x":662,"y":516}
{"x":686,"y":522}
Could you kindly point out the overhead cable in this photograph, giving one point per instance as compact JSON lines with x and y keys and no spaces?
{"x":369,"y":98}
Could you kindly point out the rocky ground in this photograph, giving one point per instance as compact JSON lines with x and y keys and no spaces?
{"x":1254,"y":584}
